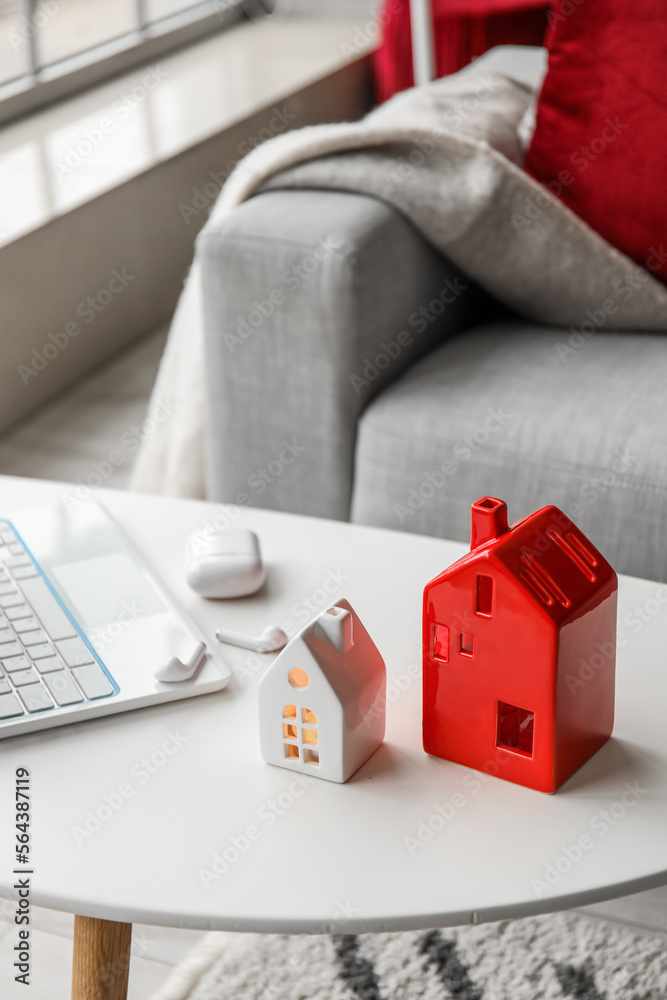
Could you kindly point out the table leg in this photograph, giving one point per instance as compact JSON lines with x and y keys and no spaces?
{"x":101,"y":963}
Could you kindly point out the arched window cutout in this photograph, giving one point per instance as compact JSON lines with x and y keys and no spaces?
{"x":308,"y":718}
{"x":290,"y":712}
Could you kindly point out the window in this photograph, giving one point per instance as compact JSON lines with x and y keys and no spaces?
{"x":484,"y":596}
{"x":301,"y":739}
{"x":515,"y":728}
{"x":466,"y":643}
{"x":52,"y":48}
{"x":440,"y":642}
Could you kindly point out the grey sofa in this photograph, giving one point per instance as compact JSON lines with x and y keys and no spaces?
{"x":354,"y":373}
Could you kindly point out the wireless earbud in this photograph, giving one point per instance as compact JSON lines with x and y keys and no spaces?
{"x":271,"y":639}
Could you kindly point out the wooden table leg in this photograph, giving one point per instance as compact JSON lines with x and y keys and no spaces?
{"x":101,"y":965}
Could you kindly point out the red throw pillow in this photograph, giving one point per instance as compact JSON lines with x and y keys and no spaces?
{"x":600,"y":142}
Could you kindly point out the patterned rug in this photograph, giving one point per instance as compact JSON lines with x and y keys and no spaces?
{"x":540,"y":958}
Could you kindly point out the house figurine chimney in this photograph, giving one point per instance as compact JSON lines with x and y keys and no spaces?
{"x":488,"y":520}
{"x":336,"y":623}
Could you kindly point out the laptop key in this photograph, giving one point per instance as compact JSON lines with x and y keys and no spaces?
{"x":25,"y":625}
{"x":36,"y":699}
{"x":75,"y":652}
{"x":32,"y":638}
{"x":48,"y":664}
{"x":10,"y":600}
{"x":92,"y":681}
{"x":22,"y":572}
{"x":47,"y":609}
{"x":18,"y":611}
{"x":9,"y":707}
{"x":38,"y":652}
{"x":10,"y":649}
{"x":16,"y":663}
{"x":63,"y":689}
{"x":6,"y":587}
{"x":24,"y":677}
{"x":4,"y":686}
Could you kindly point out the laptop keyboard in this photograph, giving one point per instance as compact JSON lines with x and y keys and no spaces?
{"x":44,"y":662}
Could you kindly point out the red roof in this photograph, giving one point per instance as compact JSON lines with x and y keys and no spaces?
{"x":556,"y":564}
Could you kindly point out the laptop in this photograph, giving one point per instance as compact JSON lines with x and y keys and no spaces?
{"x":85,"y":625}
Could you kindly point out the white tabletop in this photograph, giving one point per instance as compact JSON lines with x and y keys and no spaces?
{"x":327,"y":856}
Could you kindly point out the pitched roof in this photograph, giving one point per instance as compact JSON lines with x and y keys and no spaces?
{"x":342,"y":649}
{"x":555,"y":563}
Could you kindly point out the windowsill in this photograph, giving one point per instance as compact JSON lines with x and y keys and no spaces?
{"x":67,"y":155}
{"x":121,"y":179}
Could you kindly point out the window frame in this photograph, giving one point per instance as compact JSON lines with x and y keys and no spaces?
{"x":44,"y":84}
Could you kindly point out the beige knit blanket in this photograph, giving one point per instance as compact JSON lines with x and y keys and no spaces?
{"x":448,"y":156}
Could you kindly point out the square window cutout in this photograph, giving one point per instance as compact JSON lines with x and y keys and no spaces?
{"x":291,"y":752}
{"x":310,"y":756}
{"x":515,"y":728}
{"x":440,"y":642}
{"x":466,"y":643}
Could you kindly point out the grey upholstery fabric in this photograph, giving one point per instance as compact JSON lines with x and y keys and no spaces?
{"x":534,"y":415}
{"x":296,"y":346}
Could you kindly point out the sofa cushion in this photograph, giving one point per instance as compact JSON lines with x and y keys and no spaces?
{"x":535,"y":415}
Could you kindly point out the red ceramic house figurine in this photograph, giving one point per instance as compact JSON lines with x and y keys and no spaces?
{"x":519,"y":641}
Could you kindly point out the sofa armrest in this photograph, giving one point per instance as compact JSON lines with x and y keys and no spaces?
{"x":313,"y":302}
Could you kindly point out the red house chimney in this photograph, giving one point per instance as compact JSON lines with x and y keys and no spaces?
{"x":488,"y":520}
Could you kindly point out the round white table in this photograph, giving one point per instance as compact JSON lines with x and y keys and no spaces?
{"x":169,"y":815}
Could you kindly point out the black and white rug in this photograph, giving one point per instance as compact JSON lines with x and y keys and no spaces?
{"x":558,"y":956}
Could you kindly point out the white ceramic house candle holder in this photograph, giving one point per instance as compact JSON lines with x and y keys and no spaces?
{"x":322,"y":701}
